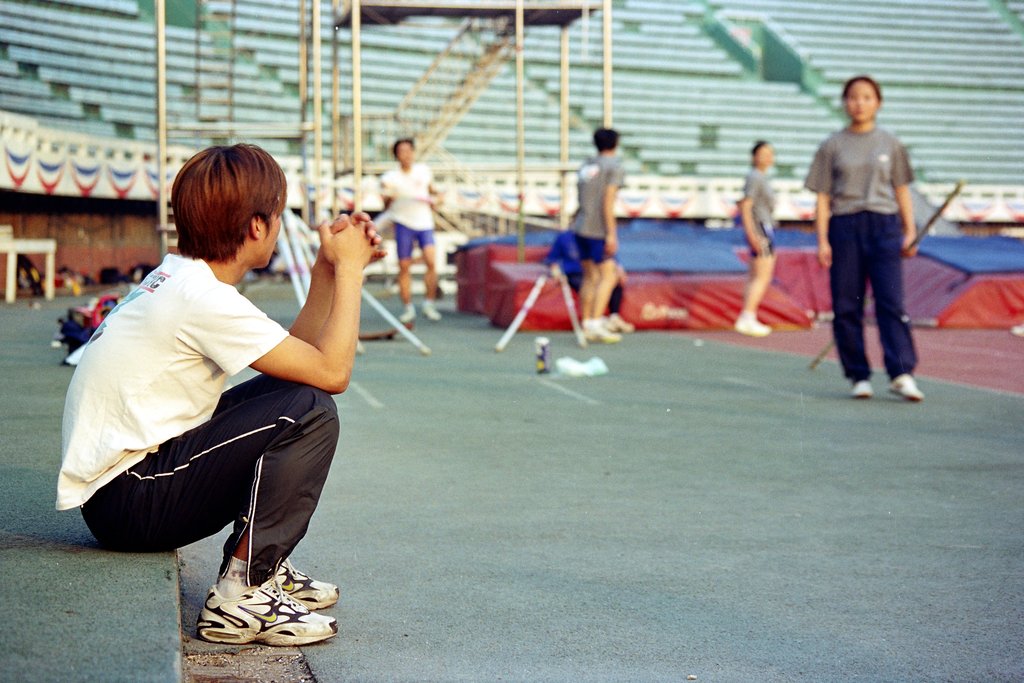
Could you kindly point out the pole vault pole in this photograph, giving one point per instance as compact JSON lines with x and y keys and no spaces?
{"x":527,"y":305}
{"x":393,"y":321}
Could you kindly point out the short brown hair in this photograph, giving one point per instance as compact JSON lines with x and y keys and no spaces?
{"x":218,"y":192}
{"x":863,"y":79}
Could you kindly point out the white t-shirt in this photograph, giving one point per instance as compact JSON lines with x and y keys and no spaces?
{"x":154,"y":369}
{"x":410,"y":194}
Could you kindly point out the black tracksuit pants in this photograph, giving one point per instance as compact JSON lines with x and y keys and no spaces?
{"x":260,"y":462}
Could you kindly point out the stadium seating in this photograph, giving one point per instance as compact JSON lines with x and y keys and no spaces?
{"x":952,"y":75}
{"x":685,"y":100}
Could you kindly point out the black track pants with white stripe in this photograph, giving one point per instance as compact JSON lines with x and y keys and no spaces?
{"x":259,"y":463}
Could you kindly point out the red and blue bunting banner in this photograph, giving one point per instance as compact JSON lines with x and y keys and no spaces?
{"x":633,"y":203}
{"x":675,"y":207}
{"x":1016,"y":209}
{"x":50,"y":173}
{"x":45,"y":166}
{"x":43,"y":171}
{"x":17,"y":165}
{"x":85,"y":177}
{"x":550,"y":202}
{"x":509,"y":201}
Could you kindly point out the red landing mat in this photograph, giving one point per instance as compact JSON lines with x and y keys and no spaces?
{"x":651,"y":301}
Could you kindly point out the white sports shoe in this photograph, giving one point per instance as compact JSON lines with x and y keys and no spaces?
{"x":1017,"y":330}
{"x":599,"y":333}
{"x":430,"y":311}
{"x":408,"y":315}
{"x":299,"y":586}
{"x":905,"y":386}
{"x":262,"y":614}
{"x":617,"y":324}
{"x":862,"y":389}
{"x":752,"y":327}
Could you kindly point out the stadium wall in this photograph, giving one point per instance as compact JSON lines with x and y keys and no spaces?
{"x":92,"y":235}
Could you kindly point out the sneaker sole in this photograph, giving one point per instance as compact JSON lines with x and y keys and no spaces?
{"x":230,"y":637}
{"x":912,"y":399}
{"x":281,"y":640}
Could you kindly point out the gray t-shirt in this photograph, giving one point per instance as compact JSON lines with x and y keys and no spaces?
{"x":859,"y":171}
{"x":595,"y":176}
{"x":762,"y":199}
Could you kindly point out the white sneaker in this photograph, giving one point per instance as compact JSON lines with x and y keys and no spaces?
{"x":862,"y":389}
{"x":751,"y":327}
{"x":262,"y":614}
{"x":905,"y":386}
{"x":408,"y":315}
{"x":311,"y":593}
{"x":597,"y":332}
{"x":617,"y":324}
{"x":430,"y":311}
{"x":1018,"y":330}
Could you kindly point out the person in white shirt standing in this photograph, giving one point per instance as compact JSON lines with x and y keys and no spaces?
{"x":409,"y":197}
{"x":157,"y":456}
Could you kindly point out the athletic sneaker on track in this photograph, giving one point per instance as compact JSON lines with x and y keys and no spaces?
{"x":905,"y":386}
{"x":430,"y":311}
{"x":618,"y":325}
{"x":862,"y":389}
{"x":594,"y":331}
{"x":263,"y":614}
{"x":311,"y":593}
{"x":751,"y":326}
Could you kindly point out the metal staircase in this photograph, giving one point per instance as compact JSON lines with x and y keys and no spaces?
{"x":454,"y":81}
{"x":436,"y":103}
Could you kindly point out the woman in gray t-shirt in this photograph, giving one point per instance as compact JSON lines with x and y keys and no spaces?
{"x":756,"y":209}
{"x":865,"y":224}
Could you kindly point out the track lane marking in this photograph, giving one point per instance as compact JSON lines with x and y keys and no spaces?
{"x":763,"y":387}
{"x":569,"y":392}
{"x":366,"y":395}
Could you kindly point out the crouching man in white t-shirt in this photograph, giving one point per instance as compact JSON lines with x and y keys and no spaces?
{"x":156,"y":457}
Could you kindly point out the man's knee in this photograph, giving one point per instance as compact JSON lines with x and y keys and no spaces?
{"x":315,"y":412}
{"x":324,"y":404}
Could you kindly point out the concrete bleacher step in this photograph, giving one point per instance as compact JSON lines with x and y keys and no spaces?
{"x":74,"y":612}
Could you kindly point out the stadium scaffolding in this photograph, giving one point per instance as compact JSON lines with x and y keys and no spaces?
{"x":353,"y":14}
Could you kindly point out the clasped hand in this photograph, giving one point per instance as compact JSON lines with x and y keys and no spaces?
{"x":350,"y":240}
